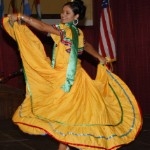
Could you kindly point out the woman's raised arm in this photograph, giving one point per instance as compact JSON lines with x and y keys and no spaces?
{"x":35,"y":23}
{"x":90,"y":49}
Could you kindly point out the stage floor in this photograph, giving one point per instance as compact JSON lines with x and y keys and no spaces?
{"x":11,"y":138}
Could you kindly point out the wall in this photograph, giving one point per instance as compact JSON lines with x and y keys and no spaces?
{"x":52,"y":7}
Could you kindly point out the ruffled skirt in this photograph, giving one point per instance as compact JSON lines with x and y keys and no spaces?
{"x":96,"y":114}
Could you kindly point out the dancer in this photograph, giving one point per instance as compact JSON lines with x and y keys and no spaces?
{"x":61,"y":99}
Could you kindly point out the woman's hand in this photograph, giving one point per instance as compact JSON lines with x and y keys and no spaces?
{"x":102,"y":60}
{"x":13,"y":17}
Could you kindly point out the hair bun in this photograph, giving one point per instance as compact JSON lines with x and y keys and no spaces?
{"x":80,"y":2}
{"x":82,"y":7}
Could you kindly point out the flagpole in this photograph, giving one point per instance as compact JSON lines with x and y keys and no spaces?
{"x":9,"y":7}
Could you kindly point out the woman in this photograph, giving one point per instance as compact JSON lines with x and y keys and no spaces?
{"x":61,"y":99}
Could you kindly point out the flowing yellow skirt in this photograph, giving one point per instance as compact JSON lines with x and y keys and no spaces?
{"x":96,"y":114}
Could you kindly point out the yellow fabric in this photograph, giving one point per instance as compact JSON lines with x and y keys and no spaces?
{"x":96,"y":114}
{"x":67,"y":31}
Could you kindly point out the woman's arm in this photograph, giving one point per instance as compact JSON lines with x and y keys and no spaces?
{"x":90,"y":49}
{"x":35,"y":23}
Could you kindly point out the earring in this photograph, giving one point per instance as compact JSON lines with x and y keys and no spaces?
{"x":75,"y":22}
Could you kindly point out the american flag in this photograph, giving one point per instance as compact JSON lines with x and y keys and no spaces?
{"x":106,"y":41}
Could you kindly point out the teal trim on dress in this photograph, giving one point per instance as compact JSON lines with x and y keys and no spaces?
{"x":71,"y":70}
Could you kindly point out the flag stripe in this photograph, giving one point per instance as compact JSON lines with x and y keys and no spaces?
{"x":111,"y":22}
{"x":105,"y":24}
{"x":103,"y":41}
{"x":106,"y":41}
{"x":111,"y":31}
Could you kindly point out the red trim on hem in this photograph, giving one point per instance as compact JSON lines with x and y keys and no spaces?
{"x":68,"y":143}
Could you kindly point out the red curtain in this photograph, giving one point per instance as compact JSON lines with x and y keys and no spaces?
{"x":132,"y":28}
{"x":10,"y":62}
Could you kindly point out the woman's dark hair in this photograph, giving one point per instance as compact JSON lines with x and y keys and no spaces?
{"x":78,"y":7}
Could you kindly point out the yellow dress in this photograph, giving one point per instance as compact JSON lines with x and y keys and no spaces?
{"x":95,"y":114}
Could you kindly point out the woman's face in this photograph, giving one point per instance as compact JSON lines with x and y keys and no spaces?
{"x":67,"y":15}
